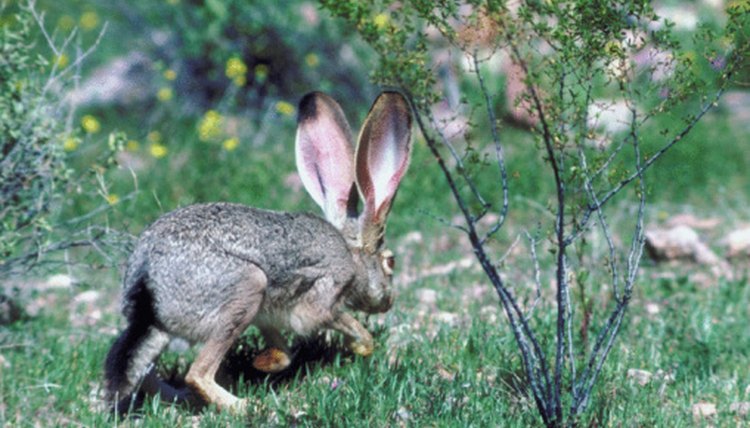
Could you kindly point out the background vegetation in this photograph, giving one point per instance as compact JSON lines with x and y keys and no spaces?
{"x":200,"y":99}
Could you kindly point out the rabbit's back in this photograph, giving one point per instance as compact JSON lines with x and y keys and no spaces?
{"x":191,"y":260}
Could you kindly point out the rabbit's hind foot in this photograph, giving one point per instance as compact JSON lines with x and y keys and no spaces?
{"x":272,"y":360}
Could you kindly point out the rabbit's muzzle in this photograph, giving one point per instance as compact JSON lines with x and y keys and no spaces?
{"x":385,"y":304}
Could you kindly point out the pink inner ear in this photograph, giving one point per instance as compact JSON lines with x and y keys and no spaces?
{"x":383,"y":153}
{"x":325,"y":156}
{"x":387,"y":166}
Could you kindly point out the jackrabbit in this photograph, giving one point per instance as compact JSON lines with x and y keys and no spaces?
{"x":206,"y":272}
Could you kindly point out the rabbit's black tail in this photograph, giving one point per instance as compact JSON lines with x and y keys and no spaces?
{"x":131,"y":356}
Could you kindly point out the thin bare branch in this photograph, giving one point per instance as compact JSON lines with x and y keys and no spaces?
{"x":537,"y":276}
{"x":499,"y":152}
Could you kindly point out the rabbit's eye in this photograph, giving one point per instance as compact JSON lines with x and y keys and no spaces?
{"x":388,"y":261}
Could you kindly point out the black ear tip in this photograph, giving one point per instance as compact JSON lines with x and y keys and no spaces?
{"x":308,"y":106}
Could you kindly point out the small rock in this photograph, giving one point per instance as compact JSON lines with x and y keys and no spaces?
{"x":4,"y":364}
{"x":740,"y":408}
{"x":681,"y":243}
{"x":448,"y":318}
{"x":652,"y":308}
{"x":125,"y":80}
{"x":60,"y":281}
{"x":641,"y":377}
{"x":610,"y":116}
{"x":703,"y":410}
{"x":658,"y":63}
{"x":413,"y":237}
{"x":426,"y":296}
{"x":684,"y":17}
{"x":672,"y":243}
{"x":89,"y":296}
{"x":737,"y":243}
{"x":489,"y":313}
{"x":403,"y":414}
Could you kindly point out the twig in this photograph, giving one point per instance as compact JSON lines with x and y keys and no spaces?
{"x":499,"y":152}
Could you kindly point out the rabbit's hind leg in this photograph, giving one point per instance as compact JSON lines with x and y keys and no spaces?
{"x":232,"y":320}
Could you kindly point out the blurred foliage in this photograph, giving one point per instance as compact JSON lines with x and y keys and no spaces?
{"x":249,"y":51}
{"x":32,"y":162}
{"x":36,"y":140}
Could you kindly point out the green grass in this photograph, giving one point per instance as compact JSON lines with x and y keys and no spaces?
{"x":423,"y":373}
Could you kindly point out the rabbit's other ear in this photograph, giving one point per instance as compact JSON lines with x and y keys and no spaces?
{"x":382,"y":158}
{"x":325,"y":155}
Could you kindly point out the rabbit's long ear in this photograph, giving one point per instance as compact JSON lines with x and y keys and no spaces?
{"x":325,"y":155}
{"x":382,"y":158}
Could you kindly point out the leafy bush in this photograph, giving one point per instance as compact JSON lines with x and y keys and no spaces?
{"x":35,"y":138}
{"x":32,"y":162}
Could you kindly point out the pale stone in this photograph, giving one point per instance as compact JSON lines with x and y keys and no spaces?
{"x":641,"y":377}
{"x":60,"y":281}
{"x":737,"y":243}
{"x":740,"y":408}
{"x":652,"y":308}
{"x":89,"y":296}
{"x":703,"y":410}
{"x":427,"y":296}
{"x":609,"y":116}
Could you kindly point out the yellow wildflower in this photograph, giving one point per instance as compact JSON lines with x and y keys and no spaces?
{"x":157,"y":150}
{"x":380,"y":21}
{"x":285,"y":108}
{"x":70,"y":144}
{"x":235,"y":67}
{"x":66,"y":23}
{"x":170,"y":74}
{"x":209,"y":128}
{"x":89,"y":20}
{"x":112,"y":198}
{"x":154,"y":136}
{"x":62,"y":60}
{"x":231,"y":144}
{"x":132,"y":146}
{"x":164,"y":94}
{"x":90,"y":124}
{"x":312,"y":60}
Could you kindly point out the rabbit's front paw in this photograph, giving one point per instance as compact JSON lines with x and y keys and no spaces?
{"x":271,"y":360}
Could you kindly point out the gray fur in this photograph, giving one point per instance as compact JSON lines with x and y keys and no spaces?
{"x":206,"y":272}
{"x":191,"y":259}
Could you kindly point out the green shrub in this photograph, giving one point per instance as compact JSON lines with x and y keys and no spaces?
{"x":32,"y":162}
{"x":36,"y":138}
